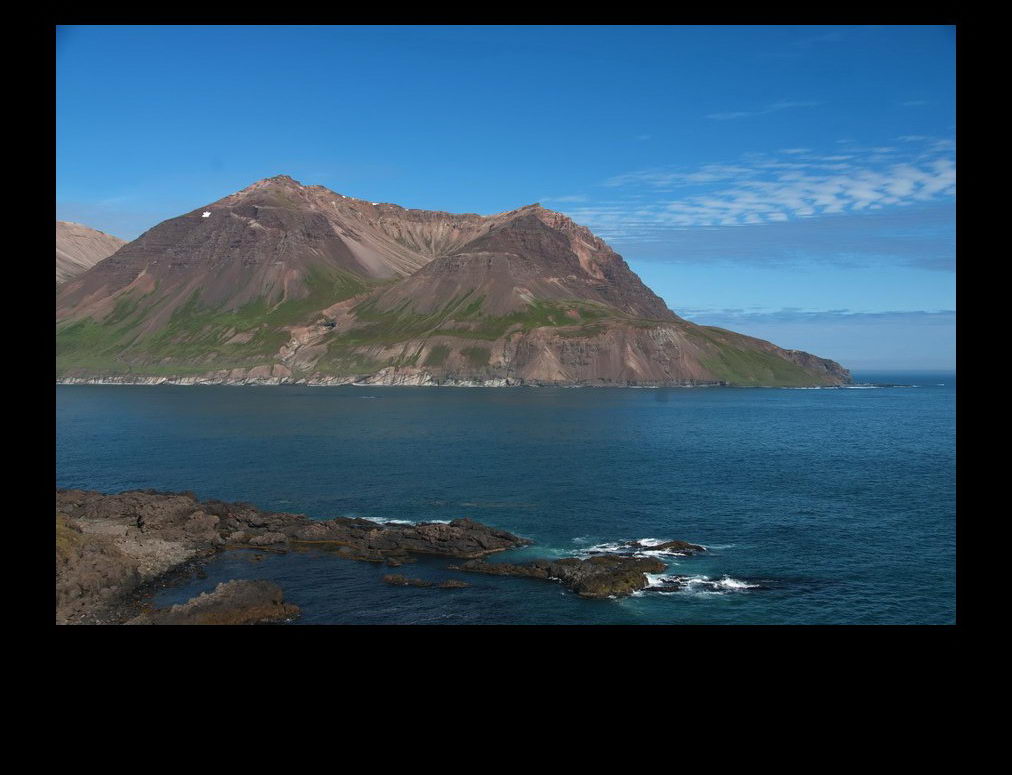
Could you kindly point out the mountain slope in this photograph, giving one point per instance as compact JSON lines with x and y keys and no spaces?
{"x":284,"y":282}
{"x":78,"y":248}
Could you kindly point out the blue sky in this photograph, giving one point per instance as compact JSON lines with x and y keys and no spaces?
{"x":794,"y":183}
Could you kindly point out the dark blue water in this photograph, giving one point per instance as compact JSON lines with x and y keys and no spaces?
{"x":837,"y":505}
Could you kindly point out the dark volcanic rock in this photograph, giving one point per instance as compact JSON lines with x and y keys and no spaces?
{"x":596,"y":577}
{"x":232,"y":602}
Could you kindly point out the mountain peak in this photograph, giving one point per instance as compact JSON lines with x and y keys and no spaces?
{"x":533,"y":208}
{"x":282,"y":179}
{"x":276,"y":181}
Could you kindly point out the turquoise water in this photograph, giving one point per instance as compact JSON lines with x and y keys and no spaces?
{"x":818,"y":506}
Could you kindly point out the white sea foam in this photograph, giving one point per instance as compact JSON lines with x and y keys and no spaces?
{"x":670,"y":584}
{"x":640,"y":547}
{"x":386,"y":521}
{"x":704,"y":584}
{"x":655,"y":580}
{"x":612,"y":546}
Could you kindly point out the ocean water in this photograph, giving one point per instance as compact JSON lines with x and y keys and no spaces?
{"x":819,"y":506}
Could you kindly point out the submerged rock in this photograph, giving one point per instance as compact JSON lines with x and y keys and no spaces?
{"x":395,"y":579}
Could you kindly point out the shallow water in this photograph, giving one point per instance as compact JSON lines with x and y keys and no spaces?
{"x":817,"y":506}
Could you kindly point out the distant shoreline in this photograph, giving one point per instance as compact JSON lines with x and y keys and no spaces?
{"x":493,"y":383}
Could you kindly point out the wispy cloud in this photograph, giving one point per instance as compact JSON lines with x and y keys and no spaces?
{"x":771,"y":108}
{"x":791,"y":185}
{"x":921,"y":236}
{"x":720,"y":317}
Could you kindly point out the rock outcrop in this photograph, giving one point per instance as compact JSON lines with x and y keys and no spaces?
{"x":595,"y":577}
{"x":231,"y":602}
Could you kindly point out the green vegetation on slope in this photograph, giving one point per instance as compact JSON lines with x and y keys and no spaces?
{"x":745,"y":366}
{"x":476,"y":356}
{"x":197,"y":338}
{"x":437,"y":355}
{"x":462,"y":317}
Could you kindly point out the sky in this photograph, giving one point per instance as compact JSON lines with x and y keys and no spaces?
{"x":795,"y":183}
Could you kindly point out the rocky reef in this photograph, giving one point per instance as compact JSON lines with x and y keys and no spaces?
{"x":111,"y":549}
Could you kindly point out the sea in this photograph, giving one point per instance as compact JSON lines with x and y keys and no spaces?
{"x":823,"y":506}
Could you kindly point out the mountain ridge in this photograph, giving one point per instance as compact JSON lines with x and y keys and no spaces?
{"x":80,"y":247}
{"x":281,"y":282}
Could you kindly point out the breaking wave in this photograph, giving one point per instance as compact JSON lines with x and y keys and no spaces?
{"x":385,"y":521}
{"x":640,"y":547}
{"x":669,"y":584}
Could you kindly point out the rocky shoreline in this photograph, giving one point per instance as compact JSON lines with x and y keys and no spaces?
{"x":418,"y":380}
{"x":114,"y":551}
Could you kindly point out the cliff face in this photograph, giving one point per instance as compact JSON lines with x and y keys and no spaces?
{"x":282,"y":282}
{"x":79,"y":248}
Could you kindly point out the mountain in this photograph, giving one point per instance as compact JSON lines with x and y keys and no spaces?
{"x":78,"y":248}
{"x":283,"y":282}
